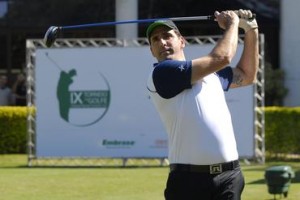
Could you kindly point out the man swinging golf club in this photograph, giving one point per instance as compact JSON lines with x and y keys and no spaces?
{"x":189,"y":97}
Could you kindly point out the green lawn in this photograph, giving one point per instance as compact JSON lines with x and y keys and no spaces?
{"x":18,"y":182}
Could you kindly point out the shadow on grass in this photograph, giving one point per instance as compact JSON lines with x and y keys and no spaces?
{"x":260,"y":181}
{"x":96,"y":167}
{"x":296,"y":179}
{"x":21,"y":161}
{"x":82,"y":167}
{"x":254,"y":169}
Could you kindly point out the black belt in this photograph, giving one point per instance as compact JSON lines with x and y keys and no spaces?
{"x":211,"y":169}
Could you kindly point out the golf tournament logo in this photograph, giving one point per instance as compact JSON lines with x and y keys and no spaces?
{"x":83,"y":98}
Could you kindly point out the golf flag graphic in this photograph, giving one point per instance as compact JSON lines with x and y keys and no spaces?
{"x":63,"y":93}
{"x":80,"y":99}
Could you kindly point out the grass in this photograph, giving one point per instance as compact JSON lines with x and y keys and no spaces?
{"x":111,"y":183}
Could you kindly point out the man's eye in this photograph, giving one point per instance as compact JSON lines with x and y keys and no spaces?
{"x":154,"y":39}
{"x":167,"y":36}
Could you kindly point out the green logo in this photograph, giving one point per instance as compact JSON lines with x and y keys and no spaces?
{"x":89,"y":99}
{"x":81,"y":99}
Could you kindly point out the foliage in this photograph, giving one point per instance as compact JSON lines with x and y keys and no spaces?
{"x":274,"y":86}
{"x":282,"y":125}
{"x":13,"y":129}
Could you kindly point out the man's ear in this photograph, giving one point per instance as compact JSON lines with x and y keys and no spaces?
{"x":151,"y":50}
{"x":183,"y":41}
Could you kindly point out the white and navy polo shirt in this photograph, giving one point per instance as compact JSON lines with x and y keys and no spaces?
{"x":196,"y":117}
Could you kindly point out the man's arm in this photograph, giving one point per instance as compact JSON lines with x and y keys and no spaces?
{"x":224,"y":50}
{"x":246,"y":69}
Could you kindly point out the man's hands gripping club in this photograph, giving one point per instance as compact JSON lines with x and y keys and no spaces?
{"x":247,"y":21}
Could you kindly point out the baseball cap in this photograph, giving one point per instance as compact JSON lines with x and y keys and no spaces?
{"x":168,"y":23}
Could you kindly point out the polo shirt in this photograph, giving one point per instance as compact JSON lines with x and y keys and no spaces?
{"x":196,"y":117}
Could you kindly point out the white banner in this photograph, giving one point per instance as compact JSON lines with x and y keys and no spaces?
{"x":93,"y":102}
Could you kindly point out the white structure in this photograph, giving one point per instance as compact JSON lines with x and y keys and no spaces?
{"x":289,"y":50}
{"x":127,"y":10}
{"x":107,"y":114}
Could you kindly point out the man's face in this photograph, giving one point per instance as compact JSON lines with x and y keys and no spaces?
{"x":165,"y":43}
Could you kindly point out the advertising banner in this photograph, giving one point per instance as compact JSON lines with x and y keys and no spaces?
{"x":93,"y":102}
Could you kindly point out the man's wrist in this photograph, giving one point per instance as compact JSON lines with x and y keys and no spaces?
{"x":253,"y":29}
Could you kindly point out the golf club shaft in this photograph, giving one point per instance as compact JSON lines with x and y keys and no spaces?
{"x":53,"y":31}
{"x":209,"y":17}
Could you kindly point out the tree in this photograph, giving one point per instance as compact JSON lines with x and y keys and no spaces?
{"x":274,"y":86}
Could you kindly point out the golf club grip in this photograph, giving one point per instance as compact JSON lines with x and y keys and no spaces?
{"x":208,"y":17}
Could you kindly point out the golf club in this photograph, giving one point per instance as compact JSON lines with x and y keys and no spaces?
{"x":53,"y":31}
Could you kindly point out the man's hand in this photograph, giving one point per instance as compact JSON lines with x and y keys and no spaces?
{"x":247,"y":22}
{"x":226,"y":18}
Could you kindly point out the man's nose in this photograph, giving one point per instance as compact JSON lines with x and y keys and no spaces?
{"x":163,"y":41}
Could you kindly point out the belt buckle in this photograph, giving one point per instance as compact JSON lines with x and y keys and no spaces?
{"x":215,"y":169}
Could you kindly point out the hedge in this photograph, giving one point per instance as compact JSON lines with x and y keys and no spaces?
{"x":282,"y":130}
{"x":13,"y":131}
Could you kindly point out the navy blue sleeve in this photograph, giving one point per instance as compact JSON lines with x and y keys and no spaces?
{"x":170,"y":77}
{"x":225,"y":76}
